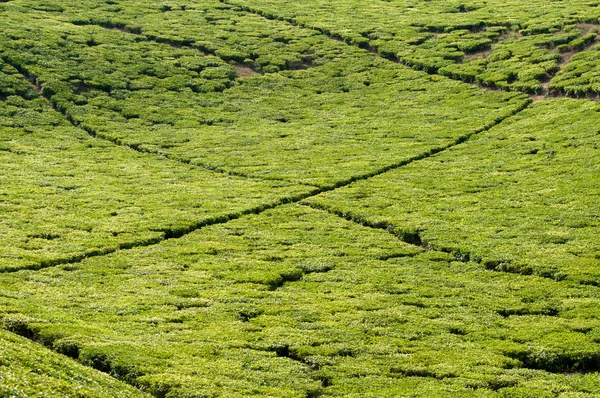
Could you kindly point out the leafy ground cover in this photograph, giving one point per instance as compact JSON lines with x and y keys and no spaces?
{"x":66,"y":195}
{"x":29,"y":370}
{"x":507,"y":45}
{"x":298,"y":302}
{"x":580,"y":76}
{"x":523,"y":197}
{"x":240,"y":198}
{"x":264,"y":126}
{"x":209,"y":26}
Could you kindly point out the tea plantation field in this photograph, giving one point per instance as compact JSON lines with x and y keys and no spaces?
{"x":243,"y":198}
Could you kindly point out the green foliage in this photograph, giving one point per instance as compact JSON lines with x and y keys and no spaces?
{"x":67,"y":195}
{"x":580,"y":76}
{"x":519,"y":64}
{"x":29,"y":370}
{"x":294,"y":302}
{"x":520,"y":198}
{"x":506,"y":45}
{"x":442,"y":240}
{"x":353,"y":114}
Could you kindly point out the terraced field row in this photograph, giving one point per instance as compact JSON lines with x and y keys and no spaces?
{"x":258,"y":139}
{"x":296,"y":302}
{"x":218,"y":199}
{"x":537,"y":48}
